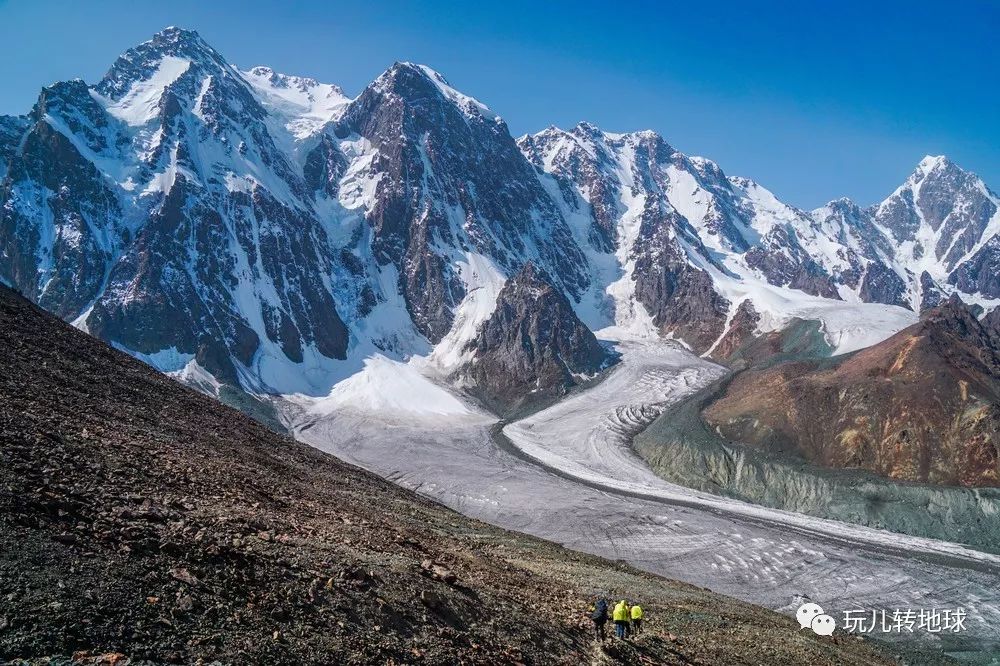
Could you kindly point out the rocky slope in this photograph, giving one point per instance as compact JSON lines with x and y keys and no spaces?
{"x":533,"y":345}
{"x":922,"y":406}
{"x":157,"y":526}
{"x":266,"y":232}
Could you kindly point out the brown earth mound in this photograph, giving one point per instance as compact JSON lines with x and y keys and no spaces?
{"x":923,"y":405}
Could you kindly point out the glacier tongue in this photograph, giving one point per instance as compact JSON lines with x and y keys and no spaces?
{"x":567,"y":474}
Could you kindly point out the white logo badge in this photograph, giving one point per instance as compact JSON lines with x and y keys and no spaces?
{"x":811,"y":616}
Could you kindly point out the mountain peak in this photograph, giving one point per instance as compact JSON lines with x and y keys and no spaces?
{"x":846,"y":203}
{"x":140,"y":62}
{"x":176,"y":32}
{"x":932,"y":161}
{"x":406,"y":78}
{"x":589,"y":132}
{"x":279,"y":80}
{"x":932,"y":165}
{"x":587,"y":128}
{"x":303,"y":84}
{"x":180,"y":42}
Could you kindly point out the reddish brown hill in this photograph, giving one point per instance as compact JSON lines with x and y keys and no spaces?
{"x":923,"y":405}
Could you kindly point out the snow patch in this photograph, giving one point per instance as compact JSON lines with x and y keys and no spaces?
{"x":167,"y":360}
{"x":465,"y":102}
{"x":483,"y":281}
{"x":390,"y":387}
{"x":303,"y":105}
{"x":141,"y":103}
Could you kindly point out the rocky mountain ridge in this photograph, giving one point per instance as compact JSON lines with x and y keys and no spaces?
{"x":533,"y":345}
{"x":265,"y":231}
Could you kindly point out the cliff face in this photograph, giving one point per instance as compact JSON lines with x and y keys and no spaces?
{"x":533,"y":345}
{"x":923,"y":405}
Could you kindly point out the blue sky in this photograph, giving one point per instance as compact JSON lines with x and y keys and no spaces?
{"x":815,"y":100}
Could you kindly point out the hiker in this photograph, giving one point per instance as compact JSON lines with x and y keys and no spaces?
{"x":621,"y":618}
{"x":599,"y":616}
{"x":636,"y":613}
{"x":628,"y":620}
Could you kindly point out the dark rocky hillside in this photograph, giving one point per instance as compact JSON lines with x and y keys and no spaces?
{"x":146,"y":523}
{"x":533,"y":345}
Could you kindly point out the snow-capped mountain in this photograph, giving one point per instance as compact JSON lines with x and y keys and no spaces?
{"x":943,"y":222}
{"x":159,"y":210}
{"x":261,"y":230}
{"x":720,"y":240}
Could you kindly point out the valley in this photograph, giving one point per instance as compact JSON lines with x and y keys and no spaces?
{"x":506,"y":325}
{"x":567,"y":474}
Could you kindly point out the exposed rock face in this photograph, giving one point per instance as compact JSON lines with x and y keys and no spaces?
{"x":923,"y":405}
{"x":12,"y":128}
{"x":981,"y":273}
{"x":782,"y":260}
{"x":449,"y":176}
{"x":991,"y":322}
{"x":931,"y":295}
{"x":680,"y":297}
{"x":881,"y":284}
{"x":866,"y":252}
{"x":533,"y":345}
{"x":742,"y":328}
{"x":61,"y":263}
{"x":593,"y":171}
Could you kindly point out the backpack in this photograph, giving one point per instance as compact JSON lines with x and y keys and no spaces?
{"x":600,"y":610}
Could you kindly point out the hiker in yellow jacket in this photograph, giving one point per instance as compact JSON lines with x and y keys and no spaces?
{"x":620,"y":615}
{"x":636,"y":619}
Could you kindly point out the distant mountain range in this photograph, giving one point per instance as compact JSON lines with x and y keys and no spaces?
{"x":255,"y":230}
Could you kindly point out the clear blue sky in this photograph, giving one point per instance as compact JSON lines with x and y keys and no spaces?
{"x":815,"y":100}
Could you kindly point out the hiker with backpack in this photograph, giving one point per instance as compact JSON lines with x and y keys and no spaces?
{"x":637,"y":615}
{"x":621,"y":618}
{"x":599,"y":616}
